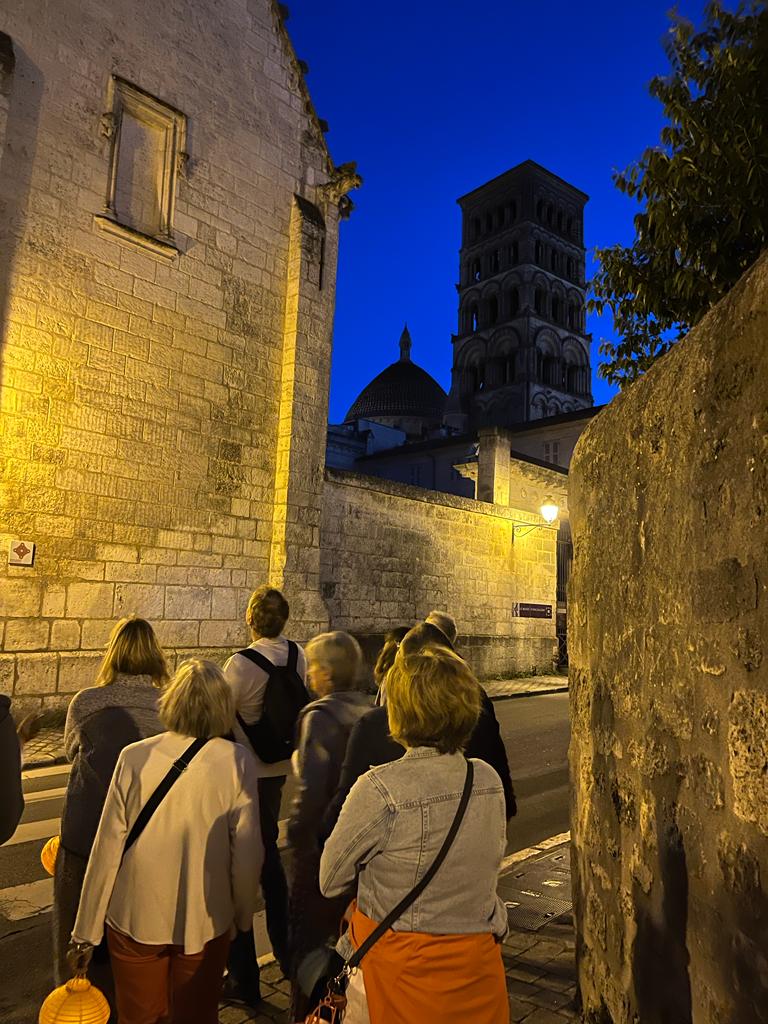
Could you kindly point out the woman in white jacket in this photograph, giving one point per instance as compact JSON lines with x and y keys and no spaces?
{"x":169,"y":902}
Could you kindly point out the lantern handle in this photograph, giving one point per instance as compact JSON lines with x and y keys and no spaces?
{"x":79,"y":957}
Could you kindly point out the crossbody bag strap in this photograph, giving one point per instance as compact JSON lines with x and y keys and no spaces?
{"x":293,"y":656}
{"x":420,"y":886}
{"x":177,"y":769}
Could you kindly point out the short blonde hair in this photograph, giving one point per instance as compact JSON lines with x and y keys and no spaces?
{"x":133,"y":650}
{"x":340,"y":654}
{"x":198,"y":701}
{"x":433,"y":700}
{"x":267,"y":612}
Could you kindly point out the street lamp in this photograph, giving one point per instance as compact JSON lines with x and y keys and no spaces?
{"x":548,"y":510}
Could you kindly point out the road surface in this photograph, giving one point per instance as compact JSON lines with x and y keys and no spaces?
{"x":535,"y":732}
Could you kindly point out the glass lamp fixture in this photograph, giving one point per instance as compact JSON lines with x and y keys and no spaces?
{"x":549,"y":509}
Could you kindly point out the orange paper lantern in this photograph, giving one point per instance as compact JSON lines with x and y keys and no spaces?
{"x":49,"y":853}
{"x":77,"y":1002}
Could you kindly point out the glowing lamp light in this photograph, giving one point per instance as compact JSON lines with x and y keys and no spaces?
{"x":549,"y":510}
{"x":49,"y":853}
{"x":77,"y":1002}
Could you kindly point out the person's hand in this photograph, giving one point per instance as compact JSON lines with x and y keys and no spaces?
{"x":29,"y":727}
{"x":79,"y":956}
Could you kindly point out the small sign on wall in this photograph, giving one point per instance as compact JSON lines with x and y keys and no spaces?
{"x":528,"y":610}
{"x":21,"y":552}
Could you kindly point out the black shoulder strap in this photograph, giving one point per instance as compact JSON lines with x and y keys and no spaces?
{"x":178,"y":767}
{"x":258,"y":659}
{"x":293,"y":656}
{"x":420,"y":886}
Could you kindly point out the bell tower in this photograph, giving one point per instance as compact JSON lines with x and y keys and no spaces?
{"x":521,"y":351}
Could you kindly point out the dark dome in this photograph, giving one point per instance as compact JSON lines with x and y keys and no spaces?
{"x":403,"y":389}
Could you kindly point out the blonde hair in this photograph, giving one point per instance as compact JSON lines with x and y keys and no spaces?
{"x":433,"y":700}
{"x":133,"y":649}
{"x":340,"y":654}
{"x":445,"y":623}
{"x":198,"y":701}
{"x":267,"y":612}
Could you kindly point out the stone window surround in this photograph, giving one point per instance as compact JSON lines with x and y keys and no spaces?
{"x":123,"y":96}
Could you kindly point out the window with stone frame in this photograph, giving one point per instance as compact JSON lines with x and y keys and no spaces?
{"x":147,"y":143}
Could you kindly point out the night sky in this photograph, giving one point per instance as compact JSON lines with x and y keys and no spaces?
{"x":432,"y":99}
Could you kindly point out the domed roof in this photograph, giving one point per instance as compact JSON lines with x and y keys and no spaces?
{"x":403,"y":389}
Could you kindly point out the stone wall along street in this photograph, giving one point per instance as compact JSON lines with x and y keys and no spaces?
{"x":669,"y":682}
{"x":390,"y":553}
{"x":167,"y":272}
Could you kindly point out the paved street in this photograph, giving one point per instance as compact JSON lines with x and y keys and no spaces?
{"x":535,"y":731}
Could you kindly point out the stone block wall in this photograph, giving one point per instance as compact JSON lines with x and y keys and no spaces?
{"x":390,"y":553}
{"x":669,"y":682}
{"x":163,"y":419}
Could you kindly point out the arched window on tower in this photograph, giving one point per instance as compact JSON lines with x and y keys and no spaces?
{"x":499,"y":216}
{"x":559,"y":220}
{"x":476,"y":270}
{"x":472,"y":318}
{"x":556,"y":309}
{"x":510,"y":368}
{"x":550,"y":216}
{"x":514,"y":253}
{"x":495,"y":261}
{"x":475,"y":227}
{"x":514,"y":301}
{"x":493,"y":309}
{"x":539,"y":254}
{"x":539,"y":301}
{"x":554,"y":261}
{"x":572,"y":315}
{"x":552,"y":375}
{"x":489,"y":221}
{"x":540,"y":211}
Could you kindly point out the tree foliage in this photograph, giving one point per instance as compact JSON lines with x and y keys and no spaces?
{"x":705,"y":190}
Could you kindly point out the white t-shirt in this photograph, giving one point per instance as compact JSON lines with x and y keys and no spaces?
{"x":249,"y":681}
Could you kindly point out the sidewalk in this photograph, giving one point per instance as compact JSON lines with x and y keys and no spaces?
{"x":538,"y":951}
{"x":524,"y":686}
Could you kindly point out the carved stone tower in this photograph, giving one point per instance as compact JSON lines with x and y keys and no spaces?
{"x":521,"y":351}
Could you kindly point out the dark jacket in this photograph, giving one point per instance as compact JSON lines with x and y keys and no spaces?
{"x":323,"y":729}
{"x":370,"y":744}
{"x":11,"y":798}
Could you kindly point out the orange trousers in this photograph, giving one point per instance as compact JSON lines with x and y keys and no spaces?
{"x":165,"y":985}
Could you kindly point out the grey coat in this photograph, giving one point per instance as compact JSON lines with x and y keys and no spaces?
{"x":100,"y":722}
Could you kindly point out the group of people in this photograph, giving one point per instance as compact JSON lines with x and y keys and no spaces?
{"x":170,"y":827}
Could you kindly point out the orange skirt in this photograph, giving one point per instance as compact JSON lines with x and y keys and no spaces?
{"x":415,"y":978}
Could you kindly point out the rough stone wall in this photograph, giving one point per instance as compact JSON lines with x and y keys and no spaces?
{"x":150,"y":406}
{"x":668,"y":620}
{"x":390,"y":553}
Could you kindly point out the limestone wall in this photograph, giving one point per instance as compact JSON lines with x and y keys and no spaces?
{"x":391,"y":553}
{"x":163,"y":415}
{"x":668,"y":620}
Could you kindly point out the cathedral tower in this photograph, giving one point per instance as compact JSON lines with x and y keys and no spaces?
{"x":521,"y":351}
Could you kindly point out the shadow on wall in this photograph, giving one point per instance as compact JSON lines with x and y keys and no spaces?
{"x":21,"y":87}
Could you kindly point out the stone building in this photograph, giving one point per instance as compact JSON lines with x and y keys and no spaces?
{"x":168,"y":247}
{"x":168,"y":252}
{"x":521,"y":351}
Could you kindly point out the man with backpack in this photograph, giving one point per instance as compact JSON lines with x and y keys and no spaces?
{"x":267,"y":680}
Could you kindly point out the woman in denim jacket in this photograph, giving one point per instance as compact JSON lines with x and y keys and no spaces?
{"x":442,"y":960}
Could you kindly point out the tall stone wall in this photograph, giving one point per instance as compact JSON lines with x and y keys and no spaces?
{"x":669,"y":682}
{"x":163,"y":414}
{"x":391,"y":553}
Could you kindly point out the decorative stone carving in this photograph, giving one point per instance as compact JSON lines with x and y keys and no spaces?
{"x":343,"y":179}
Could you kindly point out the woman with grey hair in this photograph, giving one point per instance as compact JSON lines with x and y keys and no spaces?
{"x":177,"y":857}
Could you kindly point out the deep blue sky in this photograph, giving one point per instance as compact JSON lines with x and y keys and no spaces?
{"x":434,"y":98}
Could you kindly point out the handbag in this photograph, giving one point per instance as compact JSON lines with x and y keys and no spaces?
{"x":330,"y":1009}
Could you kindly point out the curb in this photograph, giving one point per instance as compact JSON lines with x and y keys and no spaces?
{"x":528,"y":693}
{"x":44,"y":762}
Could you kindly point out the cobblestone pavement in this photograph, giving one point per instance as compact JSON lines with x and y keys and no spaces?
{"x":538,"y":954}
{"x":47,"y":748}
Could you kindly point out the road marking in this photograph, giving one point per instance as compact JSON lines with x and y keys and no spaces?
{"x":22,"y":901}
{"x":32,"y":830}
{"x":39,"y":773}
{"x":44,"y":794}
{"x":545,"y":844}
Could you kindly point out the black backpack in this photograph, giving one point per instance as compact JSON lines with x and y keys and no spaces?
{"x":273,"y":736}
